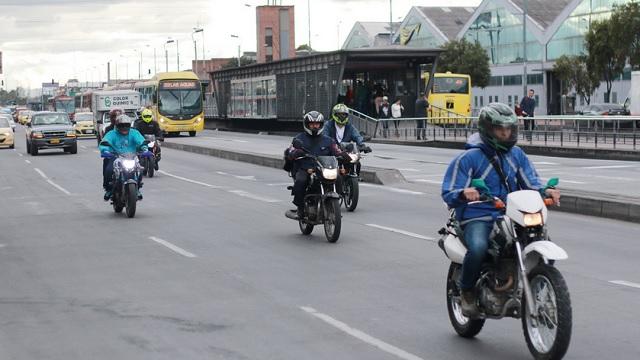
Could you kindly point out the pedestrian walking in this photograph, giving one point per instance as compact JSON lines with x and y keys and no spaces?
{"x":421,"y":106}
{"x":396,"y":113}
{"x":384,"y":114}
{"x":528,"y":105}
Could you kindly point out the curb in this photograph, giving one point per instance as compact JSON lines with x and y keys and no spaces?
{"x":368,"y":174}
{"x":600,"y":204}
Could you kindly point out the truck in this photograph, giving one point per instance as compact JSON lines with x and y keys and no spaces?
{"x":104,"y":101}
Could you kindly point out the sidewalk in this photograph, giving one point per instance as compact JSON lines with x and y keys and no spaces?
{"x":267,"y":151}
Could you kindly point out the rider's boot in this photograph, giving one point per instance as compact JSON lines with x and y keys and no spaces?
{"x":468,"y":304}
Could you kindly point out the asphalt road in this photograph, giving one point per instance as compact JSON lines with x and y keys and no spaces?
{"x":211,"y":269}
{"x":425,"y":166}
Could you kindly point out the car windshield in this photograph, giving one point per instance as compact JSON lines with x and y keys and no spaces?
{"x":450,"y":85}
{"x":83,"y":117}
{"x":50,"y":119}
{"x":180,"y":98}
{"x":4,"y":123}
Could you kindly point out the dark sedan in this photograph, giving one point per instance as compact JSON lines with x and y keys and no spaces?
{"x":51,"y":130}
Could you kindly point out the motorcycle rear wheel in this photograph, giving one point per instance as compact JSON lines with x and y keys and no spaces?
{"x":464,"y":326}
{"x":548,"y":333}
{"x":150,"y":168}
{"x":332,"y":220}
{"x":131,"y":199}
{"x":305,"y":228}
{"x":351,"y":193}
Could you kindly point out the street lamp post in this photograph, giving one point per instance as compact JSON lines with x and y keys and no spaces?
{"x":166,"y":55}
{"x":237,"y":37}
{"x":195,"y":49}
{"x":390,"y":22}
{"x":524,"y":44}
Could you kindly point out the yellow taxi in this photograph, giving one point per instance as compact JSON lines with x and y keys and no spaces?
{"x":6,"y":134}
{"x":83,"y":124}
{"x":23,"y":116}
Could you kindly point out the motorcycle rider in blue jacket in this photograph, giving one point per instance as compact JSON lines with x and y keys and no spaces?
{"x":121,"y":140}
{"x":497,"y":137}
{"x":310,"y":141}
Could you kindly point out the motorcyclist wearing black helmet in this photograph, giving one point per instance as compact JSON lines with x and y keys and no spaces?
{"x":491,"y":155}
{"x":311,"y":141}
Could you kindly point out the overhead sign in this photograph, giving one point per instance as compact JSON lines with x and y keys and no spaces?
{"x":184,"y":84}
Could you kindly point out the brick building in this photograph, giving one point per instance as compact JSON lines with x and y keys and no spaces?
{"x":275,"y":26}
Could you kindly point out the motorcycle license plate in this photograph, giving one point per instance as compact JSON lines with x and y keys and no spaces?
{"x":55,"y":141}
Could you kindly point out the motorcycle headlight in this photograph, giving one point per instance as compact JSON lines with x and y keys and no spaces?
{"x":533,"y":219}
{"x":354,"y":158}
{"x":128,"y":164}
{"x":330,"y":174}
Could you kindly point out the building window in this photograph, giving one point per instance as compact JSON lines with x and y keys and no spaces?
{"x":268,"y":37}
{"x":510,"y":103}
{"x":490,"y":99}
{"x":496,"y":99}
{"x":537,"y":100}
{"x":481,"y":100}
{"x":513,"y":80}
{"x":515,"y":100}
{"x":614,"y":97}
{"x":475,"y":101}
{"x":495,"y":81}
{"x":534,"y":79}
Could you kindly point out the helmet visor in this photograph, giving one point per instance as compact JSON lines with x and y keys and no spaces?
{"x":341,"y":118}
{"x":505,"y":135}
{"x":124,"y":126}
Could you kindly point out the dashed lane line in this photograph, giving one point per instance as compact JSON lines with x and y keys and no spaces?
{"x":44,"y":176}
{"x":399,"y":231}
{"x":360,"y":335}
{"x":174,"y":248}
{"x":625,"y":283}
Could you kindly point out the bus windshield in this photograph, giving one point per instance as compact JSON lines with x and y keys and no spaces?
{"x":450,"y":85}
{"x":67,"y":106}
{"x":182,"y":97}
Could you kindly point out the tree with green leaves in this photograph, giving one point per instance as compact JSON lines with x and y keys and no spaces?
{"x":605,"y":58}
{"x":304,"y":47}
{"x":572,"y":73}
{"x":464,"y":57}
{"x":233,"y":62}
{"x":625,"y":26}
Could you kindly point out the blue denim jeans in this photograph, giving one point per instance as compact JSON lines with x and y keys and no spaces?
{"x":476,"y":237}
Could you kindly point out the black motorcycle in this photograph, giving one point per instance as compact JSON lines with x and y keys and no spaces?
{"x":350,"y":175}
{"x":150,"y":163}
{"x":127,"y":173}
{"x":321,"y":202}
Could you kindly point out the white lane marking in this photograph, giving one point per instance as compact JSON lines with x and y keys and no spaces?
{"x":386,"y":347}
{"x":189,"y":180}
{"x":84,"y":147}
{"x":44,"y":176}
{"x":225,"y":139}
{"x":411,"y":170}
{"x":625,"y":283}
{"x":27,"y":161}
{"x":20,"y":154}
{"x":253,"y":196}
{"x":392,"y":189}
{"x":241,"y":177}
{"x":177,"y":249}
{"x":544,"y":163}
{"x":438,"y":182}
{"x":3,"y":245}
{"x":610,"y":167}
{"x":280,"y":184}
{"x":403,"y":232}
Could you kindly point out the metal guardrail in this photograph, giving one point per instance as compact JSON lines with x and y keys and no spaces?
{"x":606,"y":132}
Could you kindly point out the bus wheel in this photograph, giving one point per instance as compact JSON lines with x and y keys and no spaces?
{"x":192,"y":133}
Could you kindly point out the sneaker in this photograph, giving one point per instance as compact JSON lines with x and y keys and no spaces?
{"x":139,"y":195}
{"x":468,"y":304}
{"x":107,"y":195}
{"x":300,"y":212}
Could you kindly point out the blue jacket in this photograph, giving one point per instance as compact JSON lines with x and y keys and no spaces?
{"x":123,"y":144}
{"x":350,"y":132}
{"x":320,"y":145}
{"x":473,"y":164}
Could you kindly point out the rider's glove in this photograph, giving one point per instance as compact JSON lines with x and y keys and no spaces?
{"x":365,"y":148}
{"x":147,"y":153}
{"x":296,"y":153}
{"x":297,"y":143}
{"x":345,"y":156}
{"x":106,"y":154}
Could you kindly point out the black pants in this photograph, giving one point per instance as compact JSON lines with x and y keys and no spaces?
{"x":420,"y":132}
{"x":529,"y":126}
{"x":301,"y":180}
{"x":107,"y":173}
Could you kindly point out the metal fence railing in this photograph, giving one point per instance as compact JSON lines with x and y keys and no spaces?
{"x":607,"y":132}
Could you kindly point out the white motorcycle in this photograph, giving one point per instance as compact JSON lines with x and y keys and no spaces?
{"x":518,"y":278}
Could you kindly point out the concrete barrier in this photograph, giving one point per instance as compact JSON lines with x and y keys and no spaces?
{"x":594,"y":204}
{"x":369,"y":174}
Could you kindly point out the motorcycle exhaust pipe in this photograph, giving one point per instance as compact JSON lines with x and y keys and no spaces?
{"x":506,"y":286}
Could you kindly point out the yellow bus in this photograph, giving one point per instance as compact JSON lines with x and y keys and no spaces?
{"x":449,"y":98}
{"x":176,"y":101}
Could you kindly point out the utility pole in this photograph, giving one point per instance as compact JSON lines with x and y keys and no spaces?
{"x":524,"y":44}
{"x":390,"y":22}
{"x":309,"y":20}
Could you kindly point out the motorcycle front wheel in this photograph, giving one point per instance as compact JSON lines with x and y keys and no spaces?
{"x":131,"y":199}
{"x":351,"y":193}
{"x":117,"y":202}
{"x":332,"y":220}
{"x":548,"y":330}
{"x":464,"y":326}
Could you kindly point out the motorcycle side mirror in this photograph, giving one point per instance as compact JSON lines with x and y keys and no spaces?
{"x":553,"y":182}
{"x":480,"y":185}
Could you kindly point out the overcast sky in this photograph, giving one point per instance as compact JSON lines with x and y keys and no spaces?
{"x":62,"y":39}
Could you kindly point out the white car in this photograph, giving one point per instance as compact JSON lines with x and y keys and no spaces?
{"x":10,"y":120}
